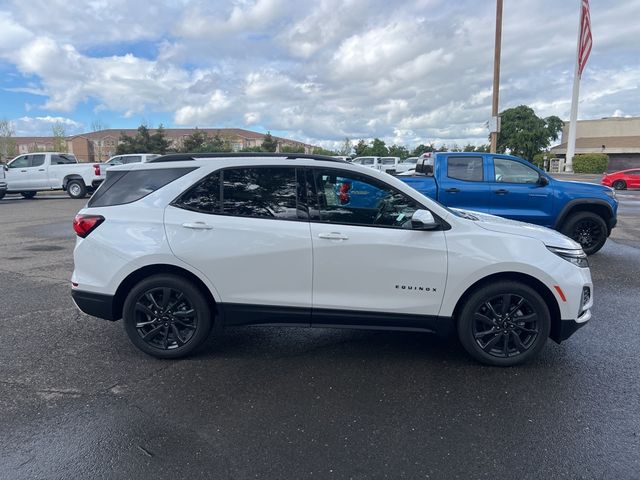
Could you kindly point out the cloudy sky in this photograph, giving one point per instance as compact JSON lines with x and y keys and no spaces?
{"x":406,"y":71}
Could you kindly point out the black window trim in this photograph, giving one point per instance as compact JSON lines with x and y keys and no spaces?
{"x":220,"y":171}
{"x":467,"y":156}
{"x":443,"y":225}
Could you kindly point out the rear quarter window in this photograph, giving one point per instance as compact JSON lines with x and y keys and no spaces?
{"x":127,"y":186}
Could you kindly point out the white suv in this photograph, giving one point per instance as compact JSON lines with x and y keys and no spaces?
{"x":185,"y":243}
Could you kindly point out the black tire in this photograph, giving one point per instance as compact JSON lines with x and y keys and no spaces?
{"x":28,"y":195}
{"x":588,"y":229}
{"x":76,"y":189}
{"x":513,"y":333}
{"x":177,"y":331}
{"x":2,"y":194}
{"x":620,"y":185}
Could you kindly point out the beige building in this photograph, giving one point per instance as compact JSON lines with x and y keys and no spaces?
{"x":618,"y":137}
{"x":101,"y":145}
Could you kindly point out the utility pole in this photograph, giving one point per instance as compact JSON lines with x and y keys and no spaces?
{"x":494,"y":125}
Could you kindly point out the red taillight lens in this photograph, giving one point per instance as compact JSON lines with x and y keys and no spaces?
{"x":96,"y":169}
{"x":85,"y":224}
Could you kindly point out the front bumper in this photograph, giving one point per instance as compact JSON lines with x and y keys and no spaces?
{"x":95,"y":304}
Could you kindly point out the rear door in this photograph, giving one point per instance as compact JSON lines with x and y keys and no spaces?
{"x":369,"y":267}
{"x":516,"y":192}
{"x":59,"y":168}
{"x":244,"y":229}
{"x":462,"y":182}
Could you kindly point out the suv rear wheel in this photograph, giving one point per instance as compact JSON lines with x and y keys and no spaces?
{"x":28,"y":195}
{"x":504,"y":324}
{"x":166,"y":316}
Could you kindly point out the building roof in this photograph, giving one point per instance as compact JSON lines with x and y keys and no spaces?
{"x":616,"y":144}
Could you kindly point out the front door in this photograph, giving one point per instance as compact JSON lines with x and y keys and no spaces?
{"x":369,"y":266}
{"x":516,"y":193}
{"x":250,"y":239}
{"x":27,"y":172}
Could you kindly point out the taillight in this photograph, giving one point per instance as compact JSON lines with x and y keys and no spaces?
{"x":85,"y":224}
{"x":96,"y":169}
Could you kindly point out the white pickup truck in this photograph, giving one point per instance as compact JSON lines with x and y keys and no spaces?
{"x":45,"y":171}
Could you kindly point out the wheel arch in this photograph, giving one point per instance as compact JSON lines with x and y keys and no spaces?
{"x":68,"y":178}
{"x":136,"y":276}
{"x":599,"y":207}
{"x":546,"y":294}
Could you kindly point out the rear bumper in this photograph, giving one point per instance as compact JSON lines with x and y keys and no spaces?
{"x":96,"y":183}
{"x":95,"y":304}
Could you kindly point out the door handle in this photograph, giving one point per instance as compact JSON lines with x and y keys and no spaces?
{"x":333,"y":236}
{"x":197,"y":226}
{"x":41,"y":169}
{"x":452,"y":190}
{"x":501,"y":191}
{"x":23,"y":171}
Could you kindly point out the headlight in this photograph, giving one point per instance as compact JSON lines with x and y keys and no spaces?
{"x":577,"y":257}
{"x":611,"y":193}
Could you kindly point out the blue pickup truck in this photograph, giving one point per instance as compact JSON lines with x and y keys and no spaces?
{"x":514,"y":188}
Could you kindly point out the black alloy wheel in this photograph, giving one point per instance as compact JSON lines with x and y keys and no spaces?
{"x":504,"y":323}
{"x":167,"y":316}
{"x":505,"y":326}
{"x":619,"y":185}
{"x":588,"y":229}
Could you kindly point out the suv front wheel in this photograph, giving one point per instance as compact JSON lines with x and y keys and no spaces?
{"x":504,"y":324}
{"x":166,"y":316}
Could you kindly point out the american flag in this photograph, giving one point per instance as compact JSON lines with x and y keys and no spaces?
{"x":586,"y":41}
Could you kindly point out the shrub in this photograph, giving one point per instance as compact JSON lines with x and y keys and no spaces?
{"x":590,"y":163}
{"x":538,"y":159}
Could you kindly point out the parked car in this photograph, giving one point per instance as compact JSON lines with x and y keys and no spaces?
{"x":123,"y":159}
{"x":343,"y":157}
{"x":623,"y":179}
{"x":185,"y":243}
{"x":406,"y":165}
{"x":382,"y":164}
{"x":3,"y":181}
{"x":45,"y":171}
{"x":514,"y":188}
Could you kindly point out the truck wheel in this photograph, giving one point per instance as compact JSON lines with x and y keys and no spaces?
{"x":28,"y":195}
{"x":2,"y":194}
{"x":76,"y":189}
{"x":504,"y":323}
{"x":619,"y":185}
{"x":166,"y":316}
{"x":588,"y":229}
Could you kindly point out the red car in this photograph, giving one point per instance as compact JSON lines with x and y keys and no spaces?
{"x":622,"y":180}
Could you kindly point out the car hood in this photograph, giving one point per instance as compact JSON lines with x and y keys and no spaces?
{"x":549,"y":237}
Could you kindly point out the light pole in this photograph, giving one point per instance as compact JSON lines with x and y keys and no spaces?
{"x":495,"y":122}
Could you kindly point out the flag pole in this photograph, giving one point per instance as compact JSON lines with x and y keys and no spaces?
{"x":573,"y":121}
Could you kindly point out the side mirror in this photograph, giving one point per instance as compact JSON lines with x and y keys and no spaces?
{"x":543,"y":181}
{"x":423,"y":220}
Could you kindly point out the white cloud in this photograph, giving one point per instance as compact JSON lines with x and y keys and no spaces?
{"x":411,"y":71}
{"x":42,"y":126}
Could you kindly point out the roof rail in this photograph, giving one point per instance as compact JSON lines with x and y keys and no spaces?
{"x":182,"y":157}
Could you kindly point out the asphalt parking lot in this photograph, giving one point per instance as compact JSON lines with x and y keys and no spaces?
{"x":79,"y":401}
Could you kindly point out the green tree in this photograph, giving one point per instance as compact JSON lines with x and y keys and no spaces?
{"x":323,"y":151}
{"x":361,"y":149}
{"x":59,"y":137}
{"x":485,"y":148}
{"x":298,"y":148}
{"x":469,"y":148}
{"x":8,"y":148}
{"x":399,"y":151}
{"x":524,"y":134}
{"x":420,"y":149}
{"x":252,"y":149}
{"x":379,"y":148}
{"x":194,"y":143}
{"x":143,"y":142}
{"x":347,"y":148}
{"x":269,"y":144}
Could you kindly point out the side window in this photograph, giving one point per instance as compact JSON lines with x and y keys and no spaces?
{"x":115,"y":161}
{"x":635,"y":173}
{"x":353,"y":199}
{"x":37,"y":160}
{"x":203,"y":197}
{"x":133,"y":159}
{"x":61,"y":159}
{"x":262,"y":192}
{"x":20,"y":162}
{"x":465,"y":168}
{"x":510,"y":171}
